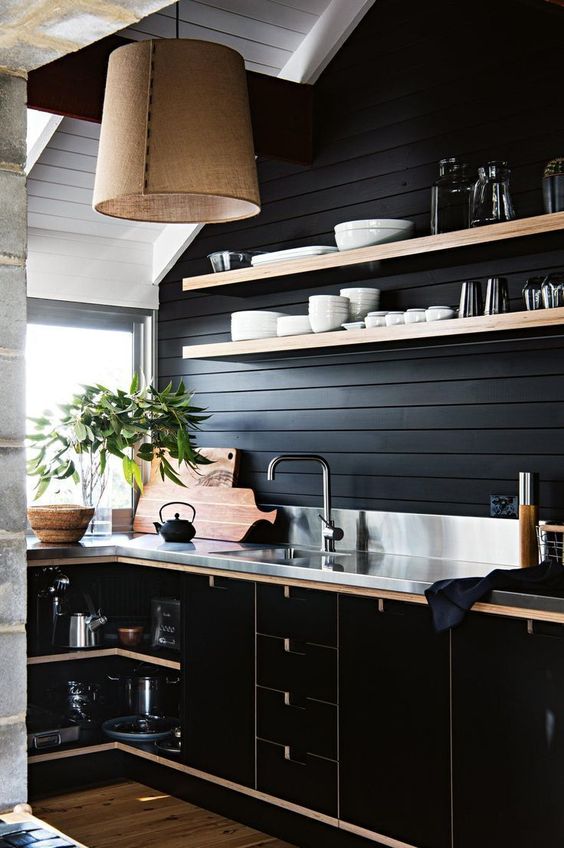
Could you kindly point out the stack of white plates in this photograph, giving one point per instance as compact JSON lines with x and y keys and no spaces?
{"x":292,"y":253}
{"x":253,"y":324}
{"x":327,"y":312}
{"x":352,"y":234}
{"x":363,"y":301}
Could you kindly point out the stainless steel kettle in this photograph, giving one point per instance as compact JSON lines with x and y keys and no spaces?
{"x":80,"y":629}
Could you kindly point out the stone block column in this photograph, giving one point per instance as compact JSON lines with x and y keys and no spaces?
{"x":13,"y":237}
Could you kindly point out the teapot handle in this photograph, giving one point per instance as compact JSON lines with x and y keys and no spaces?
{"x":178,"y":503}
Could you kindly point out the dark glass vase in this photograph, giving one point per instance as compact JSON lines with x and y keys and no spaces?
{"x":491,"y":201}
{"x":451,"y":197}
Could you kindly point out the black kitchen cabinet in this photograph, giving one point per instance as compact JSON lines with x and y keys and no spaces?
{"x":394,"y":722}
{"x":219,"y":663}
{"x":508,"y":733}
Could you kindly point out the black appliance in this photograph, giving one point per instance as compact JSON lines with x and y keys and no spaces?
{"x":165,"y":623}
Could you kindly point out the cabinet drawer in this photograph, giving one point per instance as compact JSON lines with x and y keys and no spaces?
{"x":307,"y":615}
{"x":307,"y":671}
{"x":305,"y":725}
{"x":297,"y":777}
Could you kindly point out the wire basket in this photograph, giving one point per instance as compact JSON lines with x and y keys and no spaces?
{"x":550,"y":538}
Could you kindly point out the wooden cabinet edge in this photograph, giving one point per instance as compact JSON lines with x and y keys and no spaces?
{"x":71,"y":752}
{"x":96,"y":653}
{"x":388,"y":841}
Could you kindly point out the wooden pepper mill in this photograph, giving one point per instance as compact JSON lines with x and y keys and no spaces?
{"x":528,"y":518}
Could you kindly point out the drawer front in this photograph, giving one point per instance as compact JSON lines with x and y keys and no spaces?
{"x":306,"y":615}
{"x":297,"y":777}
{"x":303,"y":724}
{"x":307,"y":671}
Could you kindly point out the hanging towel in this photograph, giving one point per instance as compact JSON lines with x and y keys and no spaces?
{"x":451,"y":599}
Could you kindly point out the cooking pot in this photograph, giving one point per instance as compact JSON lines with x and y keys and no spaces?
{"x":147,"y":693}
{"x":176,"y":529}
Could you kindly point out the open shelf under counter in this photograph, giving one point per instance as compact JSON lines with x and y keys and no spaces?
{"x":313,"y":342}
{"x":519,"y":228}
{"x":94,"y":653}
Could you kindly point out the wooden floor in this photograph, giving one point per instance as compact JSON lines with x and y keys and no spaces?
{"x":130,"y":815}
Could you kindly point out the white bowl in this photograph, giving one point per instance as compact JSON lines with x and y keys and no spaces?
{"x":353,"y":325}
{"x":362,"y":301}
{"x":439,"y":313}
{"x":334,"y":299}
{"x":293,"y":325}
{"x":256,"y":313}
{"x":354,"y":234}
{"x":325,"y":323}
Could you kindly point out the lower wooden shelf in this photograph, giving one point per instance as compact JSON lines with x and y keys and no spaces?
{"x":313,"y":342}
{"x":93,"y":653}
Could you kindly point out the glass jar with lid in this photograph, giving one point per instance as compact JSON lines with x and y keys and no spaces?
{"x":451,"y":197}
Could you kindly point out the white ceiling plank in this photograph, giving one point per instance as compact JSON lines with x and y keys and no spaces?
{"x":169,"y":246}
{"x":40,"y":128}
{"x":249,"y":28}
{"x":267,"y":11}
{"x":62,"y":176}
{"x":324,"y":40}
{"x":317,"y":7}
{"x":39,"y":188}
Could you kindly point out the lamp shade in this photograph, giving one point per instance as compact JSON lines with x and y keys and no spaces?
{"x":176,"y":143}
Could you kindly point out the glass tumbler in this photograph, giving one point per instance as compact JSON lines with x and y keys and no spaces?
{"x":451,"y":197}
{"x":553,"y":291}
{"x":532,"y":293}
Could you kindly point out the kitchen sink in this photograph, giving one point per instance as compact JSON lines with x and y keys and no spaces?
{"x":280,"y":555}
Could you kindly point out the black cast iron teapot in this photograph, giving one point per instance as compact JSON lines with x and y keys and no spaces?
{"x":176,"y":529}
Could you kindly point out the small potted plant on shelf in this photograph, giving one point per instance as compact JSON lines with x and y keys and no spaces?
{"x":137,"y":426}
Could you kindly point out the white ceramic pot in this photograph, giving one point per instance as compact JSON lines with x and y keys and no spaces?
{"x":439,"y":313}
{"x":415,"y":316}
{"x":325,"y":322}
{"x":393,"y":318}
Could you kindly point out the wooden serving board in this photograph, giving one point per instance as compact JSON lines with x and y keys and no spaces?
{"x":224,"y":514}
{"x":222,"y":473}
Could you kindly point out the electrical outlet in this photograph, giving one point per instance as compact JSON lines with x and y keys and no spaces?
{"x":504,"y":506}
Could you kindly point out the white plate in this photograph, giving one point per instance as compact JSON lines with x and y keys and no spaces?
{"x":292,"y":253}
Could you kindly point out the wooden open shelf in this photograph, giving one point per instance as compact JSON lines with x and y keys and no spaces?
{"x":364,"y":256}
{"x":314,"y":342}
{"x":93,"y":653}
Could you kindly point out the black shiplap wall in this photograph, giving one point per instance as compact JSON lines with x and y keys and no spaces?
{"x":430,"y":428}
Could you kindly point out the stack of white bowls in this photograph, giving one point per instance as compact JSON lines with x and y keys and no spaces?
{"x":327,"y":312}
{"x":353,"y":234}
{"x":254,"y":324}
{"x":293,"y":325}
{"x":362,"y":301}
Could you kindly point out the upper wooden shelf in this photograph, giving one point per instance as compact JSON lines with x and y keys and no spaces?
{"x":94,"y":653}
{"x":313,"y":342}
{"x":365,"y":255}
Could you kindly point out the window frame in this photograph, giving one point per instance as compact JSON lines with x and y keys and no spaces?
{"x":141,"y":322}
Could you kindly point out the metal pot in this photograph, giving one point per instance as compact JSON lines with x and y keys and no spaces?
{"x":147,"y":693}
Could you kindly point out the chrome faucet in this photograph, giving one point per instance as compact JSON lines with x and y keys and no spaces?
{"x":330,"y":533}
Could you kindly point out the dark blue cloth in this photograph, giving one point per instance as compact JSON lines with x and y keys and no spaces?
{"x":451,"y":599}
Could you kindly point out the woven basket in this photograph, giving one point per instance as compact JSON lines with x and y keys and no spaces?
{"x":60,"y":522}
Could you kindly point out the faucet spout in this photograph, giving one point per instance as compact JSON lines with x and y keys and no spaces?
{"x":330,"y":533}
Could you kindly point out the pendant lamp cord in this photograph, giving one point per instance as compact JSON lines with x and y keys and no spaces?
{"x":178,"y":20}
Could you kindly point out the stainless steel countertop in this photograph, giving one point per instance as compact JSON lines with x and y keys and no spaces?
{"x":389,"y":572}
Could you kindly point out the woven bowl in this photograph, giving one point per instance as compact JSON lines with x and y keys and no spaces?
{"x":60,"y":522}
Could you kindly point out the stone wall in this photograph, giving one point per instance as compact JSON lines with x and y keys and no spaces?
{"x":13,"y":233}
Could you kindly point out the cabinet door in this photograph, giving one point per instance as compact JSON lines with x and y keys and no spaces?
{"x":394,"y":722}
{"x":219,"y":665}
{"x":508,"y":733}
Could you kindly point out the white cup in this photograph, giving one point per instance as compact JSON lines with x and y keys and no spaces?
{"x":415,"y":316}
{"x":393,"y":318}
{"x":375,"y":320}
{"x":439,"y":313}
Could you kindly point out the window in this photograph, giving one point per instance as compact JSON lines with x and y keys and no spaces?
{"x":71,"y":344}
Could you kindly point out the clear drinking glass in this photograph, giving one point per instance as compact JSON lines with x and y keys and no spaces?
{"x":451,"y":197}
{"x":491,"y":200}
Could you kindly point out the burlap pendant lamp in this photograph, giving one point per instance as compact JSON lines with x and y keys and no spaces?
{"x":176,"y":144}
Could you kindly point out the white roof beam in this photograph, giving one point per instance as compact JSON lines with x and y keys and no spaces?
{"x":169,"y":246}
{"x":40,"y":128}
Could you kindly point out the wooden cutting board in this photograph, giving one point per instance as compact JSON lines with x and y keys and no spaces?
{"x":222,"y":473}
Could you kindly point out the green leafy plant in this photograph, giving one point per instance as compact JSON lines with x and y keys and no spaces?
{"x":142,"y":424}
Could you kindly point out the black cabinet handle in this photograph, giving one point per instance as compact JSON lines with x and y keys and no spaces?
{"x":290,"y":595}
{"x":547,"y":629}
{"x":215,"y":582}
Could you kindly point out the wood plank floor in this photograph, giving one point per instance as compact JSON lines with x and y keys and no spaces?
{"x":130,"y":815}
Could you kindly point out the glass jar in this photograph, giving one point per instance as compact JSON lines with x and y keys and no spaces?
{"x":451,"y":197}
{"x":491,"y":200}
